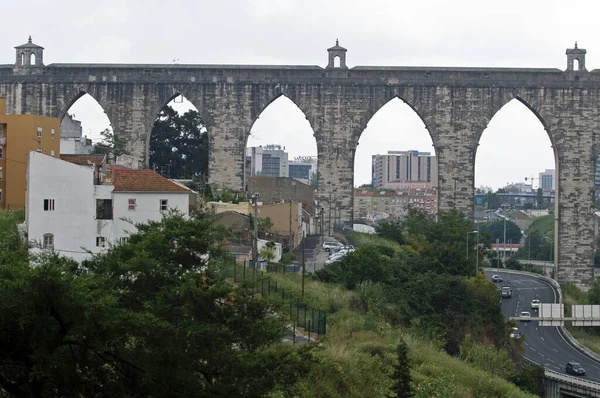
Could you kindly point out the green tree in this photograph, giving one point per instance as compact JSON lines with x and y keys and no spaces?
{"x":264,"y":226}
{"x":540,"y":198}
{"x":496,"y":231}
{"x":492,"y":200}
{"x":150,"y":317}
{"x":402,"y":380}
{"x":267,"y":252}
{"x":111,"y":146}
{"x":179,"y":144}
{"x":390,"y":230}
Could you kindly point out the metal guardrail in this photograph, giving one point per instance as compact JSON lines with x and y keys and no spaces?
{"x":573,"y":380}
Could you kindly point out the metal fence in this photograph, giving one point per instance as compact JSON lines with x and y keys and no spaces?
{"x":312,"y":320}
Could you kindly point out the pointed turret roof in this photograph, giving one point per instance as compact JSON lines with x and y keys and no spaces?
{"x":337,"y":47}
{"x":29,"y":44}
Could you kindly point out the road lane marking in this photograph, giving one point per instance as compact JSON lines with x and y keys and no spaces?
{"x":555,"y":350}
{"x":542,"y":338}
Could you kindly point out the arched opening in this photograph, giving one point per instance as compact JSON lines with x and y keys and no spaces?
{"x":395,"y":166}
{"x":179,"y":143}
{"x":281,"y":143}
{"x":336,"y":61}
{"x":576,"y":64}
{"x":84,"y":126}
{"x":32,"y":59}
{"x":516,"y":185}
{"x":22,"y":59}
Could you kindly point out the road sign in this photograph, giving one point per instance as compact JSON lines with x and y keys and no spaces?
{"x":551,"y":314}
{"x":586,"y":315}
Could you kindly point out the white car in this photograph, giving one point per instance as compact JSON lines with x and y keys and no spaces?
{"x":329,"y":245}
{"x":525,"y":314}
{"x":535,"y":304}
{"x":333,"y":259}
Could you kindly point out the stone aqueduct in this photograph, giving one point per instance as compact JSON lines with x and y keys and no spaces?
{"x":455,"y":104}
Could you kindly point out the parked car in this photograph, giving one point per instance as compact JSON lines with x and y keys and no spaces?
{"x":525,"y":314}
{"x":329,"y":245}
{"x":496,"y":278}
{"x":334,"y":258}
{"x":535,"y":304}
{"x":575,"y":368}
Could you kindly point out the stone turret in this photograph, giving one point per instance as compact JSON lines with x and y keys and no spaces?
{"x":337,"y":52}
{"x":29,"y":55}
{"x":576,"y":59}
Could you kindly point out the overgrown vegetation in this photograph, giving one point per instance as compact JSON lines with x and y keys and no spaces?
{"x":152,"y":317}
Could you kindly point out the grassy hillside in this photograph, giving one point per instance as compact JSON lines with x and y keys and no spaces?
{"x":544,"y":225}
{"x":357,"y":353}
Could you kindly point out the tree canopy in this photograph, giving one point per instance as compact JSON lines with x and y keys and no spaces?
{"x":150,"y":317}
{"x":495,"y":229}
{"x":179,"y":144}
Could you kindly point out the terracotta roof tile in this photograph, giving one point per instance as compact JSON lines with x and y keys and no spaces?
{"x":83,"y":160}
{"x":128,"y":180}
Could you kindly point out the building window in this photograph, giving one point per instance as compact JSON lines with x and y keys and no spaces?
{"x":52,"y":153}
{"x":48,"y":241}
{"x":131,"y":204}
{"x":39,"y":132}
{"x":0,"y":196}
{"x":52,"y":133}
{"x":0,"y":173}
{"x":39,"y":151}
{"x":0,"y":153}
{"x":48,"y":204}
{"x":123,"y":240}
{"x":104,"y":209}
{"x":100,"y":241}
{"x":163,"y":204}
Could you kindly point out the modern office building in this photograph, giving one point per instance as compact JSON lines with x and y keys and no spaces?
{"x":547,"y":180}
{"x":19,"y":135}
{"x":303,"y":169}
{"x":404,"y":166}
{"x":268,"y":160}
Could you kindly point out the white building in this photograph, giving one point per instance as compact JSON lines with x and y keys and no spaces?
{"x":72,"y":140}
{"x":80,"y":209}
{"x":402,"y":167}
{"x":303,"y":169}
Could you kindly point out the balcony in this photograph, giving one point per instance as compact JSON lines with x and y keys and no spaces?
{"x":2,"y":141}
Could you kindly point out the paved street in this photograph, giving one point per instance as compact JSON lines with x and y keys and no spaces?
{"x":315,"y":256}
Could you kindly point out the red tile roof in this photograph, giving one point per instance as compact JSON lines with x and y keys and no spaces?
{"x":128,"y":180}
{"x":83,"y":160}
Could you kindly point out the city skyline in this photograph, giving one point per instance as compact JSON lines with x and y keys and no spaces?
{"x":463,"y":33}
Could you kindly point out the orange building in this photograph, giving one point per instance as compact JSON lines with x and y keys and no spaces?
{"x":20,"y":134}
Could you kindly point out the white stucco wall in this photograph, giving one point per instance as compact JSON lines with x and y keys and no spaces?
{"x":147,"y":209}
{"x":72,"y":220}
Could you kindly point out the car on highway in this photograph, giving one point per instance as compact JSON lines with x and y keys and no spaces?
{"x":535,"y":304}
{"x":506,"y":291}
{"x":525,"y":314}
{"x":575,"y":368}
{"x":496,"y":278}
{"x":515,"y":333}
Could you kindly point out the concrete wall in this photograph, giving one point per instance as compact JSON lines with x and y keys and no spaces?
{"x":21,"y":135}
{"x":282,"y":189}
{"x":455,"y":104}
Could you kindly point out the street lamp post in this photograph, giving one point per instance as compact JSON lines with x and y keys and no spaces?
{"x":477,"y":249}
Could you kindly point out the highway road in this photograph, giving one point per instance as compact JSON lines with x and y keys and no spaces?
{"x":543,"y":345}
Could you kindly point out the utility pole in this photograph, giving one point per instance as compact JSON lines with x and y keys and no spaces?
{"x":329,"y":214}
{"x":303,"y":264}
{"x":255,"y":240}
{"x":290,"y":238}
{"x":504,"y":255}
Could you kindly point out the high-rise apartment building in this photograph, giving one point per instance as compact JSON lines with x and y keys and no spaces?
{"x":404,"y":166}
{"x":72,"y":140}
{"x":20,"y":134}
{"x":547,"y":180}
{"x":268,"y":160}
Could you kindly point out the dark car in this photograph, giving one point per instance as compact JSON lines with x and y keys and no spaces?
{"x":575,"y":368}
{"x":496,"y":278}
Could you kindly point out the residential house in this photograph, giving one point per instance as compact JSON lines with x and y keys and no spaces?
{"x":79,"y":210}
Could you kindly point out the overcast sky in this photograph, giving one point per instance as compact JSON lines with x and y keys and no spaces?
{"x":509,"y":33}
